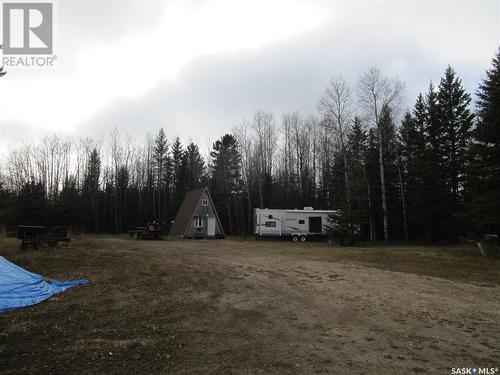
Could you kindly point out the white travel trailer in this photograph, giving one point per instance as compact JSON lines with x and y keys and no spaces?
{"x":297,"y":224}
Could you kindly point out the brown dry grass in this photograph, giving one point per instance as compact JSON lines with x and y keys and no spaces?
{"x":237,"y":306}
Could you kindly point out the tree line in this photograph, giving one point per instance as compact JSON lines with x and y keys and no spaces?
{"x":430,"y":173}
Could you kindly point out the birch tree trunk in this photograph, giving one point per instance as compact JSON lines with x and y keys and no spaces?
{"x":369,"y":200}
{"x":382,"y":183}
{"x":375,"y":93}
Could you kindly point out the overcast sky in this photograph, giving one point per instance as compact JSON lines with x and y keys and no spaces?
{"x":197,"y":68}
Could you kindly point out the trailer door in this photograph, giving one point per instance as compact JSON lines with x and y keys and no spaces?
{"x":315,"y":224}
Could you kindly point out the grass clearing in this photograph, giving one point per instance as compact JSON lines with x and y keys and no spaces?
{"x":245,"y":306}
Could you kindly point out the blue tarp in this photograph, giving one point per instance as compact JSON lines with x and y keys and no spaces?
{"x":20,"y":288}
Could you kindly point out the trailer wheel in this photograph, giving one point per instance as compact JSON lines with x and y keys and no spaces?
{"x":303,"y":238}
{"x":295,"y":238}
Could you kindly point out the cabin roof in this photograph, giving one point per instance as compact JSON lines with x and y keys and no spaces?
{"x":187,"y":210}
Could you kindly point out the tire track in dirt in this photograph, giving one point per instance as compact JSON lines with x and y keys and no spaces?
{"x":332,"y":314}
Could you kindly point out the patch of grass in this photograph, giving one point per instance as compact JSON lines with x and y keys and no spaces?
{"x":155,"y":306}
{"x":460,"y":263}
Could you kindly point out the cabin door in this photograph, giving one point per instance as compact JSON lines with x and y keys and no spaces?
{"x":211,"y":226}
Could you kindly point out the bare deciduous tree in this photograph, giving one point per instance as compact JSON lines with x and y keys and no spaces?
{"x":335,"y":105}
{"x":375,"y":93}
{"x":245,"y":146}
{"x":265,"y":147}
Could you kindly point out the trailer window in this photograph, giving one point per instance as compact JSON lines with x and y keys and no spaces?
{"x":302,"y":221}
{"x":270,"y":224}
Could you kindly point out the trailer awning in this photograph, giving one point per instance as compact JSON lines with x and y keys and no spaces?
{"x":21,"y":288}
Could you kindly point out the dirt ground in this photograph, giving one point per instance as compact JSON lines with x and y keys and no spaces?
{"x":254,"y":307}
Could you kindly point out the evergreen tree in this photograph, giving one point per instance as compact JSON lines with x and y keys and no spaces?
{"x":178,"y":173}
{"x":226,"y":178}
{"x":68,"y":210}
{"x":407,"y":137}
{"x":195,"y":167}
{"x":121,"y":186}
{"x":485,"y":169}
{"x":91,"y":189}
{"x":456,"y":119}
{"x":5,"y":198}
{"x":411,"y":146}
{"x":435,"y":193}
{"x":339,"y":228}
{"x":356,"y":145}
{"x":416,"y":200}
{"x":32,"y":206}
{"x":394,"y":196}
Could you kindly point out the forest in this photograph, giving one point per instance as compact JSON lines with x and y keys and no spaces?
{"x":427,"y":173}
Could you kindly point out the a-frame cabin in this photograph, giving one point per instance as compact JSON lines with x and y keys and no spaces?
{"x":197,"y":217}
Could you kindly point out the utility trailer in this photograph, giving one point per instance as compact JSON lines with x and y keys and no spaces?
{"x":35,"y":235}
{"x":296,"y":224}
{"x":152,"y":231}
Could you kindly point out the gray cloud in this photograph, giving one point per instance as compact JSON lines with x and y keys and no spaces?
{"x":412,"y":40}
{"x":214,"y":93}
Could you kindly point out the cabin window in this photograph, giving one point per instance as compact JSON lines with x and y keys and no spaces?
{"x":198,"y":222}
{"x":270,"y":224}
{"x":204,"y":202}
{"x":302,"y":221}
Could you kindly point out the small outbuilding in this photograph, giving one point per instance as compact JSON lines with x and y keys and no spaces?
{"x":197,"y":217}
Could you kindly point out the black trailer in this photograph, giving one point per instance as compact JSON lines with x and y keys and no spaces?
{"x":35,"y":235}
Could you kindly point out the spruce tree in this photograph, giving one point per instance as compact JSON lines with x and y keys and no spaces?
{"x":226,"y":177}
{"x":91,"y":189}
{"x":457,"y":120}
{"x":32,"y":204}
{"x":4,"y":205}
{"x":394,"y":196}
{"x":419,"y":146}
{"x":195,"y":167}
{"x":407,"y":157}
{"x":356,"y":150}
{"x":412,"y":150}
{"x":178,"y":173}
{"x":434,"y":204}
{"x":485,"y":169}
{"x":68,"y":209}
